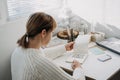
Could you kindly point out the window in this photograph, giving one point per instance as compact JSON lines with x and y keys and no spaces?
{"x":112,"y":13}
{"x":21,"y":8}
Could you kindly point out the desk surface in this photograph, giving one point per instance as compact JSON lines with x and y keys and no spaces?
{"x":92,"y":67}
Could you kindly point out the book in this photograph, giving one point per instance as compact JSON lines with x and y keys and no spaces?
{"x":96,"y":51}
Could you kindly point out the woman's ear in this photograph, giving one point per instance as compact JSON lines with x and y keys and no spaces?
{"x":43,"y":33}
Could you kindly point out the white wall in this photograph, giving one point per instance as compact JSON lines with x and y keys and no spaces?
{"x":9,"y":33}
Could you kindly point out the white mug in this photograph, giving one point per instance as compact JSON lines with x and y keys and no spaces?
{"x":97,"y":36}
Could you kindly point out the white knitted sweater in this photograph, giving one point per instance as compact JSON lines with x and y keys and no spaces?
{"x":30,"y":64}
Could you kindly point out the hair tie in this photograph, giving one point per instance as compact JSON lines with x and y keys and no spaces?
{"x":26,"y":34}
{"x":26,"y":37}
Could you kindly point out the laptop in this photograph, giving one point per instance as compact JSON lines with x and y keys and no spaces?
{"x":80,"y":50}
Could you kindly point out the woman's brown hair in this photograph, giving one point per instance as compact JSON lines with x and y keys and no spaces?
{"x":36,"y":23}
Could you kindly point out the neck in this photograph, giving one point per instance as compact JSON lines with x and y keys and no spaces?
{"x":34,"y":44}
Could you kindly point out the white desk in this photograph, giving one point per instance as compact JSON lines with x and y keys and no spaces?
{"x":94,"y":68}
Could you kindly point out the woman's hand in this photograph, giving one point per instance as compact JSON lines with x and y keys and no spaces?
{"x":69,"y":46}
{"x":75,"y":64}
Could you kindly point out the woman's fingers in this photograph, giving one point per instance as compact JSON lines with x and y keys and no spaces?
{"x":75,"y":64}
{"x":69,"y":46}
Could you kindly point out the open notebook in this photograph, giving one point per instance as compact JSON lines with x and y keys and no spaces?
{"x":79,"y":57}
{"x":112,"y":44}
{"x":80,"y":51}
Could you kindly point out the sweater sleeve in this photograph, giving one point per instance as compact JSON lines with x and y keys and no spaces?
{"x":54,"y":52}
{"x":78,"y":74}
{"x":50,"y":71}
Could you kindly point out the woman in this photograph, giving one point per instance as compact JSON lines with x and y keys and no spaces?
{"x":28,"y":61}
